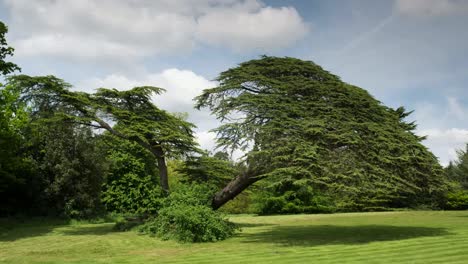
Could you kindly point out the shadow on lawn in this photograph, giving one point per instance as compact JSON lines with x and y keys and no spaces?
{"x":338,"y":235}
{"x":94,"y":230}
{"x":14,"y":229}
{"x":242,"y":225}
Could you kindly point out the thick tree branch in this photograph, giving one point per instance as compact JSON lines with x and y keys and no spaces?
{"x":234,"y":188}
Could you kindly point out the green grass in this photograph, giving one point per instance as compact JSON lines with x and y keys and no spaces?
{"x":391,"y":237}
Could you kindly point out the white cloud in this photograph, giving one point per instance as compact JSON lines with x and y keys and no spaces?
{"x":455,"y":109}
{"x":445,"y":128}
{"x":133,"y":29}
{"x":431,"y":7}
{"x":60,"y":45}
{"x":445,"y":142}
{"x":206,"y":139}
{"x":181,"y":87}
{"x":263,"y":29}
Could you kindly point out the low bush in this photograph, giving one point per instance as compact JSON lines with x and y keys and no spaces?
{"x":187,"y":217}
{"x":457,"y":200}
{"x":296,"y":199}
{"x":189,"y":223}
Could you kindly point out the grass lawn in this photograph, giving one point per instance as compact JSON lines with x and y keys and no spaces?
{"x":390,"y":237}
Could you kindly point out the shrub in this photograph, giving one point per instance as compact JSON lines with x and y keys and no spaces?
{"x":296,"y":199}
{"x":189,"y":223}
{"x":187,"y":217}
{"x":457,"y":200}
{"x":194,"y":194}
{"x":131,"y":186}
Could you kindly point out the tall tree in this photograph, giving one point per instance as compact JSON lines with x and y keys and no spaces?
{"x":5,"y":51}
{"x":70,"y":166}
{"x":134,"y":115}
{"x":303,"y":125}
{"x":12,"y":118}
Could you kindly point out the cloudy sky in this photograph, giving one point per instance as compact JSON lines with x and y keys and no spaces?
{"x":410,"y":53}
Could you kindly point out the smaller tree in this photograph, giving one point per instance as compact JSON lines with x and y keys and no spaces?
{"x":458,"y":171}
{"x":135,"y":116}
{"x":71,"y":167}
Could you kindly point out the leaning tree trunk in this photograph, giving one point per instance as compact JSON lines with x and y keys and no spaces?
{"x":233,"y":188}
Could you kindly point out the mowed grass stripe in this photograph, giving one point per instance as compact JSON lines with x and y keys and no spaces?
{"x":403,"y":237}
{"x":300,"y":257}
{"x":357,"y":256}
{"x":399,"y":252}
{"x":400,"y":248}
{"x":423,"y":256}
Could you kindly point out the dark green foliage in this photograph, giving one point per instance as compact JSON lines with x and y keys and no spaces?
{"x":138,"y":119}
{"x":131,"y":184}
{"x":305,"y":126}
{"x":21,"y":186}
{"x":187,"y":217}
{"x":48,"y":166}
{"x":72,"y":168}
{"x":69,"y":166}
{"x":56,"y":169}
{"x":291,"y":198}
{"x":15,"y":168}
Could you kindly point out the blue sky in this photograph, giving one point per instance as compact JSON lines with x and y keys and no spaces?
{"x":410,"y":53}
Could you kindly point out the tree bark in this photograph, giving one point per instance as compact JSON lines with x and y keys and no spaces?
{"x":233,"y":188}
{"x":158,"y":153}
{"x":163,"y":178}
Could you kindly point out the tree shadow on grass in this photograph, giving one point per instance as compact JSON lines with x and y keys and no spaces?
{"x":85,"y":230}
{"x":340,"y":235}
{"x":14,"y":229}
{"x":246,"y":225}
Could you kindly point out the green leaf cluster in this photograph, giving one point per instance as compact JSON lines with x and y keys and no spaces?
{"x":131,"y":185}
{"x":216,"y":170}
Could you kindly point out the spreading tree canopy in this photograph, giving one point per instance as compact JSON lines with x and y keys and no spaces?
{"x":302,"y":125}
{"x":129,"y":115}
